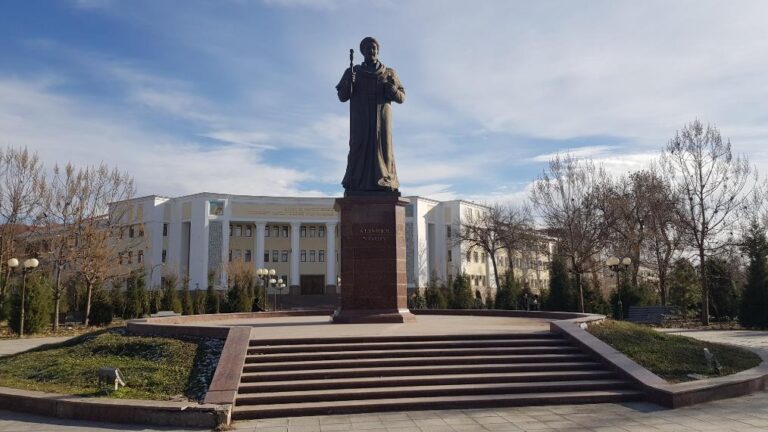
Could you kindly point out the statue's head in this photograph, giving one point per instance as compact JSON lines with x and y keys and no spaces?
{"x":369,"y":48}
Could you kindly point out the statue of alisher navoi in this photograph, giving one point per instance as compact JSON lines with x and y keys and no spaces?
{"x":370,"y":87}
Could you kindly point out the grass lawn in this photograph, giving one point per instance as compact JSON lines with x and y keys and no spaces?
{"x":671,"y":357}
{"x":153,"y":367}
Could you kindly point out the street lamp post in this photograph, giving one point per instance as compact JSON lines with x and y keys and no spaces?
{"x":28,"y":265}
{"x":617,"y":265}
{"x":267,"y":278}
{"x":11,"y":264}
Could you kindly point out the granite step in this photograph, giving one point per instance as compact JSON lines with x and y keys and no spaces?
{"x":426,"y":391}
{"x":434,"y":402}
{"x":422,"y":380}
{"x":407,"y":353}
{"x":337,"y":347}
{"x":417,"y":361}
{"x":394,"y":371}
{"x":404,"y":338}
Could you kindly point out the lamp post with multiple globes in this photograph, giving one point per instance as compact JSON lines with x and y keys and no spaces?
{"x":267,"y":277}
{"x":27,"y":266}
{"x":617,"y":265}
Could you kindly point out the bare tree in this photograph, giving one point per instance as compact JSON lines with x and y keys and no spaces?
{"x":95,"y":229}
{"x":61,"y":212}
{"x":565,"y":197}
{"x":517,"y":234}
{"x":710,"y":183}
{"x":625,"y":209}
{"x":663,"y":234}
{"x":21,"y":188}
{"x":484,"y":232}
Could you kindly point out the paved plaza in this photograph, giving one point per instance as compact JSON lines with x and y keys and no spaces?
{"x":13,"y":346}
{"x":744,"y":414}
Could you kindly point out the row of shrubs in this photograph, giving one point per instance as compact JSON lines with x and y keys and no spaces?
{"x":132,"y":300}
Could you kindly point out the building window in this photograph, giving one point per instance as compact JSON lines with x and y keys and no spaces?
{"x":476,"y":256}
{"x":285,"y":231}
{"x":275,"y":256}
{"x":321,"y":231}
{"x":266,"y":257}
{"x":312,"y":256}
{"x":131,"y":231}
{"x":238,"y":231}
{"x":321,"y":255}
{"x":448,"y":231}
{"x":238,"y":255}
{"x":303,"y":256}
{"x":247,"y":255}
{"x":120,"y":258}
{"x":248,"y":231}
{"x":216,"y":208}
{"x":469,"y":256}
{"x":275,"y":231}
{"x":230,"y":255}
{"x":312,"y":231}
{"x":141,"y":230}
{"x":284,"y":256}
{"x":165,"y":256}
{"x":130,"y":257}
{"x":266,"y":231}
{"x":165,"y":230}
{"x":303,"y":232}
{"x":450,"y":255}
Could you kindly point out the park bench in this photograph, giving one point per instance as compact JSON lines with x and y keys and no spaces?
{"x":652,"y":314}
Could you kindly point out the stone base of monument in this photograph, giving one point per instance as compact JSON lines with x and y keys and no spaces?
{"x":373,"y":279}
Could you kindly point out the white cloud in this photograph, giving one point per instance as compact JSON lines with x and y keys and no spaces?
{"x":244,"y":138}
{"x":439,"y":192}
{"x":577,"y":152}
{"x":62,"y":129}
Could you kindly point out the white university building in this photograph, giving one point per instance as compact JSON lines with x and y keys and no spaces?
{"x":194,"y":236}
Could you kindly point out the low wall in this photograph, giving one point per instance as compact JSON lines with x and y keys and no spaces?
{"x":178,"y":414}
{"x":656,"y":388}
{"x":217,"y":409}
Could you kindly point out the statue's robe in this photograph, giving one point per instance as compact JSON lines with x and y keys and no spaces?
{"x":371,"y":160}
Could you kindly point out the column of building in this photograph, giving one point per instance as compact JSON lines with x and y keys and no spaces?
{"x":259,"y":247}
{"x":295,"y":282}
{"x":330,"y":258}
{"x":198,"y":245}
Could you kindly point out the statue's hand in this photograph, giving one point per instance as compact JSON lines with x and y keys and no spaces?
{"x":390,"y":90}
{"x":352,"y":76}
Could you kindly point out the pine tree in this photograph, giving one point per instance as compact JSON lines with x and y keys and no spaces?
{"x":754,"y":301}
{"x":561,"y":292}
{"x":135,"y":298}
{"x":435,"y":297}
{"x":507,"y":293}
{"x":170,"y":301}
{"x":37,"y":307}
{"x":418,"y":299}
{"x":211,"y":300}
{"x":187,"y":308}
{"x":462,"y":293}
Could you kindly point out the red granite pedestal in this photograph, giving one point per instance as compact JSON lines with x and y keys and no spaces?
{"x":373,"y":279}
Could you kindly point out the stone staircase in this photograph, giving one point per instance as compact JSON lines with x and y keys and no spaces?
{"x":368,"y":374}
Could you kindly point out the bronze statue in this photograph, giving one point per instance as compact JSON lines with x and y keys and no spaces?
{"x":370,"y":87}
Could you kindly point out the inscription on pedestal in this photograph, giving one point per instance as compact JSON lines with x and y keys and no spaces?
{"x":374,"y":232}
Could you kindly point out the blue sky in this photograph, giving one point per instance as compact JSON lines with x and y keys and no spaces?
{"x":238,"y":96}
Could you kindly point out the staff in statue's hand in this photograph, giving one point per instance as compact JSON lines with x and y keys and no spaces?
{"x":351,"y":71}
